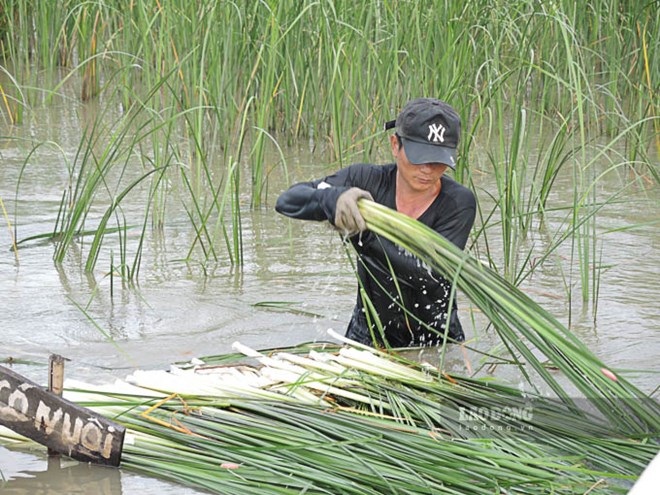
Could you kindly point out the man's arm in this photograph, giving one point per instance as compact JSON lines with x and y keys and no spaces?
{"x":318,"y":199}
{"x":315,"y":200}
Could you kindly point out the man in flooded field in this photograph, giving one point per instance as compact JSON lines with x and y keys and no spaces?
{"x":412,"y":307}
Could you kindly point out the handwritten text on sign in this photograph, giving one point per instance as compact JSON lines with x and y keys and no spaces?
{"x":57,"y":423}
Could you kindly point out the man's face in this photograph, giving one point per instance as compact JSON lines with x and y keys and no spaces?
{"x":419,"y":178}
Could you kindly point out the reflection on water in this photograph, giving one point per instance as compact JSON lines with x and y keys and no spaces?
{"x":180,"y":310}
{"x":54,"y":476}
{"x":33,"y":473}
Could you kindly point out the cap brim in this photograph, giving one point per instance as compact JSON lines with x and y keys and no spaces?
{"x":421,"y":153}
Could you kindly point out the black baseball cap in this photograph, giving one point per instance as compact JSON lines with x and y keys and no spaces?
{"x":429,"y":130}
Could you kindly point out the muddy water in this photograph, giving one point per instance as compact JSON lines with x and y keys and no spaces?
{"x":178,"y":311}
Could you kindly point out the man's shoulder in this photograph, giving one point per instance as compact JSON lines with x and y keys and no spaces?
{"x":368,"y":175}
{"x":461,"y":195}
{"x":371,"y":169}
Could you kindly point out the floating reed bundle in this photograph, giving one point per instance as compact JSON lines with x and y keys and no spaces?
{"x":329,"y":419}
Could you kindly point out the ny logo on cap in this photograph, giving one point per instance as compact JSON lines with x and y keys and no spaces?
{"x":436,"y":133}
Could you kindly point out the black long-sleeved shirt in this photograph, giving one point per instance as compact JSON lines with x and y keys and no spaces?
{"x":412,"y":307}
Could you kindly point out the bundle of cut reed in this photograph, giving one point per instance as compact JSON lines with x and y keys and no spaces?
{"x":523,"y":325}
{"x":332,"y":419}
{"x":355,"y":420}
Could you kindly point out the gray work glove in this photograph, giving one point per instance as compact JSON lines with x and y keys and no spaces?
{"x":347,"y":215}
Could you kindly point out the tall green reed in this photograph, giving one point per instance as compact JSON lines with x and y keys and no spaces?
{"x":9,"y":228}
{"x":331,"y":71}
{"x":382,"y":55}
{"x":12,"y":99}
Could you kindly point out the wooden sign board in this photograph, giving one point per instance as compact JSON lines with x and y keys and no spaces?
{"x":57,"y":423}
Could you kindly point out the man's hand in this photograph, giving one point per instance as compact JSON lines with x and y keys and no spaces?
{"x":347,"y":214}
